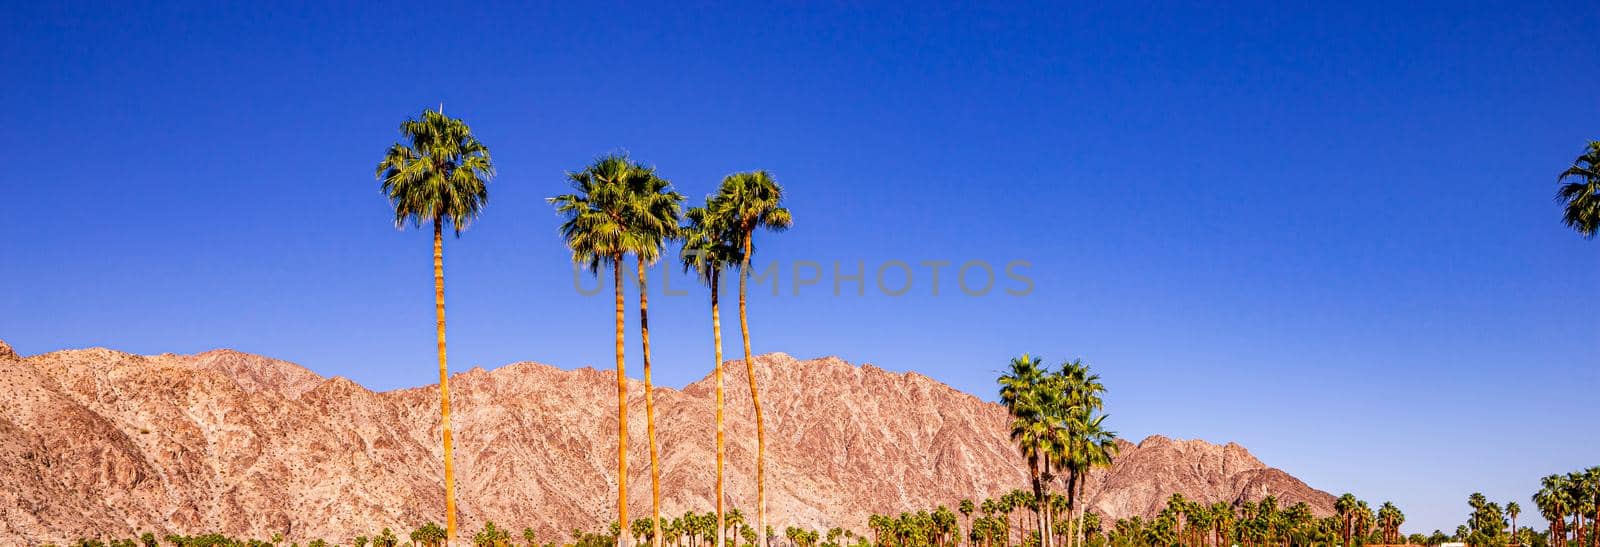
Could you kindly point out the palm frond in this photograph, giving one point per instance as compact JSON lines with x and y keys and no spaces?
{"x":1579,"y":190}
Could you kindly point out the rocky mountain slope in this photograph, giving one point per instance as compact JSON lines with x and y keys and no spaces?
{"x":103,"y":442}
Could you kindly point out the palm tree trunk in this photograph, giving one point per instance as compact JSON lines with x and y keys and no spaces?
{"x":716,"y":336}
{"x":755,"y":397}
{"x":1080,"y":510}
{"x":622,"y":413}
{"x":649,"y":407}
{"x":1072,"y":504}
{"x":444,"y":381}
{"x":1040,"y":508}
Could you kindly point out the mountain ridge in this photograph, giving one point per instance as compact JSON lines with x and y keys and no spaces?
{"x":107,"y":441}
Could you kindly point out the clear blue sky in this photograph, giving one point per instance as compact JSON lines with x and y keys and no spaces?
{"x":1327,"y":234}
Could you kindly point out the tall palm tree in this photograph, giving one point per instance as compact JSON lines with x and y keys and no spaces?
{"x":1386,"y":522}
{"x":1033,"y":424}
{"x":1363,"y":519}
{"x":1554,"y":502}
{"x":1094,"y":447}
{"x":1591,"y":495}
{"x":709,"y":248}
{"x":1345,"y":508}
{"x":607,"y":218}
{"x":1578,"y":503}
{"x":1580,"y":191}
{"x":746,"y":202}
{"x":1088,"y":445}
{"x":657,"y":208}
{"x":440,"y":175}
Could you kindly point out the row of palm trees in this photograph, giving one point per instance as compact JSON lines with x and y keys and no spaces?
{"x":1197,"y":524}
{"x":691,"y":529}
{"x":1574,"y":496}
{"x":620,"y":207}
{"x":1182,"y":522}
{"x":617,"y":208}
{"x":439,"y":176}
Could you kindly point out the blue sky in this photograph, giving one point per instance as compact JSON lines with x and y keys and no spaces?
{"x":1325,"y":233}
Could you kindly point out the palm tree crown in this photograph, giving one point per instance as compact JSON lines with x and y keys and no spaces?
{"x":752,"y":200}
{"x":440,"y":175}
{"x":618,"y":207}
{"x":1580,"y":191}
{"x":710,"y":245}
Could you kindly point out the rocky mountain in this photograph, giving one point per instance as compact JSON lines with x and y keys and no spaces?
{"x":103,"y":442}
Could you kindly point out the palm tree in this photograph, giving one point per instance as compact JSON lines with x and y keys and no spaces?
{"x":655,"y":222}
{"x":1363,"y":519}
{"x":1345,"y":507}
{"x":1094,"y":447}
{"x":440,"y":175}
{"x":1388,"y":521}
{"x":708,"y":250}
{"x":966,"y":509}
{"x":1087,"y":444}
{"x":735,"y":519}
{"x":1580,"y":191}
{"x":1222,"y":520}
{"x":1590,"y":495}
{"x":746,"y":202}
{"x":616,"y":206}
{"x":1033,"y":426}
{"x":1399,"y":518}
{"x":1006,"y":504}
{"x":1512,"y":510}
{"x":1554,"y":501}
{"x":1177,"y":504}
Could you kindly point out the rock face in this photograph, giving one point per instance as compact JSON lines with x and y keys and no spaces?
{"x":103,"y":442}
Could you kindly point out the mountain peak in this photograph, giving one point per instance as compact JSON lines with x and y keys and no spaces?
{"x":6,"y":352}
{"x":255,"y":373}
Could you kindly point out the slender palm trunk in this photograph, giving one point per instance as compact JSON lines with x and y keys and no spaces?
{"x":622,"y":413}
{"x":1081,"y":511}
{"x":1038,"y":501}
{"x":755,"y":397}
{"x":716,"y":337}
{"x":649,"y":407}
{"x":1594,"y":525}
{"x":1072,"y":504}
{"x":444,"y":382}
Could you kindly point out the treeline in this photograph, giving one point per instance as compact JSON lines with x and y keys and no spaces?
{"x":1567,"y":503}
